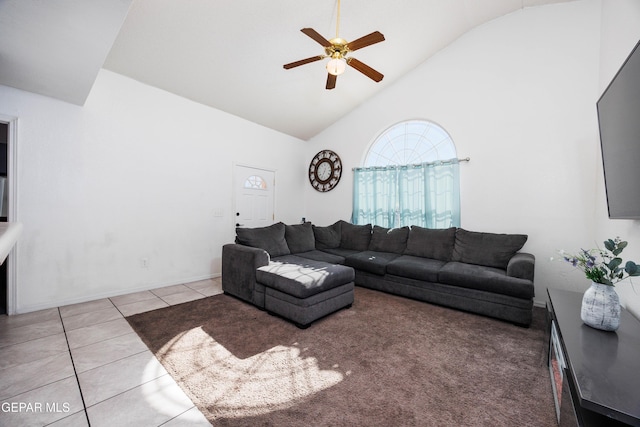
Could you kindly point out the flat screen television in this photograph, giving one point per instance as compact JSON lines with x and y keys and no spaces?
{"x":619,"y":122}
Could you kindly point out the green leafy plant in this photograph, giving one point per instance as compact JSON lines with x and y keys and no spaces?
{"x":604,"y":265}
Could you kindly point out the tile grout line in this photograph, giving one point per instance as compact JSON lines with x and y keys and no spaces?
{"x":84,"y":405}
{"x":118,"y":308}
{"x":181,"y":413}
{"x":169,"y":304}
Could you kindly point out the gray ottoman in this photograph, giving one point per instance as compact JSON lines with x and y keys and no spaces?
{"x":303,"y":290}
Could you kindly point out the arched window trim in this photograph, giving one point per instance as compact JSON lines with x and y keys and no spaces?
{"x":385,"y":133}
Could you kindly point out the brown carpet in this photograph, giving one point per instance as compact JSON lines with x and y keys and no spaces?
{"x":387,"y":361}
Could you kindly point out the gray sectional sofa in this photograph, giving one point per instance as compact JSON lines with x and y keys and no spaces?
{"x":303,"y":272}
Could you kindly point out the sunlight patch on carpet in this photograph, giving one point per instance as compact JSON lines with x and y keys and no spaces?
{"x":272,"y":380}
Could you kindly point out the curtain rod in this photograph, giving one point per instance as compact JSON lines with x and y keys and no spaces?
{"x":415,"y":165}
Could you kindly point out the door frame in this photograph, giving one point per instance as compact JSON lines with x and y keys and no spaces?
{"x":235,"y":184}
{"x":12,"y":209}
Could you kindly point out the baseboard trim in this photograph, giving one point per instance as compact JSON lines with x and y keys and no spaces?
{"x":93,"y":297}
{"x":541,"y":304}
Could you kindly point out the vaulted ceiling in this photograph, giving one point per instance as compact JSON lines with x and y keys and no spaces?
{"x":228,"y":54}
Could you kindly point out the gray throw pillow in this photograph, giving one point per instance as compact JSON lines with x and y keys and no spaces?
{"x":355,"y":237}
{"x":488,"y":249}
{"x":431,"y":243}
{"x":327,"y":237}
{"x":270,"y":238}
{"x":389,"y":239}
{"x":299,"y":237}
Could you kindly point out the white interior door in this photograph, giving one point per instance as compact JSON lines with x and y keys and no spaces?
{"x":254,"y":194}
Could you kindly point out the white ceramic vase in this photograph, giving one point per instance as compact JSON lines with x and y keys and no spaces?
{"x":601,"y":307}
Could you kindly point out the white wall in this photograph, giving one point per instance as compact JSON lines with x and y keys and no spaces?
{"x":135,"y":173}
{"x":620,"y":33}
{"x":518,"y":97}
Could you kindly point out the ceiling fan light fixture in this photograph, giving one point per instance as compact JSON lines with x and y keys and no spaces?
{"x":336,"y":66}
{"x":337,"y":50}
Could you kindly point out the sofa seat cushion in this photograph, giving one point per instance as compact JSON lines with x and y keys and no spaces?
{"x":370,"y":261}
{"x":416,"y":268}
{"x":488,"y":279}
{"x":322,"y":256}
{"x":342,"y":252}
{"x":302,"y":277}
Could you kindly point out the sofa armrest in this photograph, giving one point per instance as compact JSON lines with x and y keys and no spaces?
{"x":522,"y":266}
{"x":239,"y":264}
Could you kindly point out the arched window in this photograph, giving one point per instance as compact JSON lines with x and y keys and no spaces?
{"x":410,"y":142}
{"x":255,"y":182}
{"x":409,"y":177}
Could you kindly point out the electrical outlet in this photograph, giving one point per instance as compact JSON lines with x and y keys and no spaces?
{"x":144,"y":263}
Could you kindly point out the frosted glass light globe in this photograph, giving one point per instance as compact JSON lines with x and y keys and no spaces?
{"x":336,"y":66}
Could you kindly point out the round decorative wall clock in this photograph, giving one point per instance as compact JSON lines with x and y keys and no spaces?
{"x":325,"y":170}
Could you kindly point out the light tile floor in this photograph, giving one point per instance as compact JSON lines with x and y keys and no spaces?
{"x":83,"y":365}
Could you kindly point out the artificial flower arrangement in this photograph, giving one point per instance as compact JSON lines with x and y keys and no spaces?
{"x":604,"y":265}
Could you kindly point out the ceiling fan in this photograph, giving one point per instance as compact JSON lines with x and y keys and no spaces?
{"x":337,"y":49}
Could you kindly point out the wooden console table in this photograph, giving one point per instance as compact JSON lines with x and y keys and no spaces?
{"x":602,"y":368}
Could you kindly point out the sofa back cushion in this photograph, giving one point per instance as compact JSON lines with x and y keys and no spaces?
{"x":356,"y":237}
{"x":431,"y":243}
{"x":270,"y":238}
{"x":392,"y":240}
{"x":488,"y":249}
{"x":299,"y":237}
{"x":327,"y":237}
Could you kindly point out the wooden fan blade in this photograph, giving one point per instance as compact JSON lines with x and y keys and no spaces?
{"x":365,"y":69}
{"x":316,"y":36}
{"x":368,"y":40}
{"x":303,"y":61}
{"x":331,"y":81}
